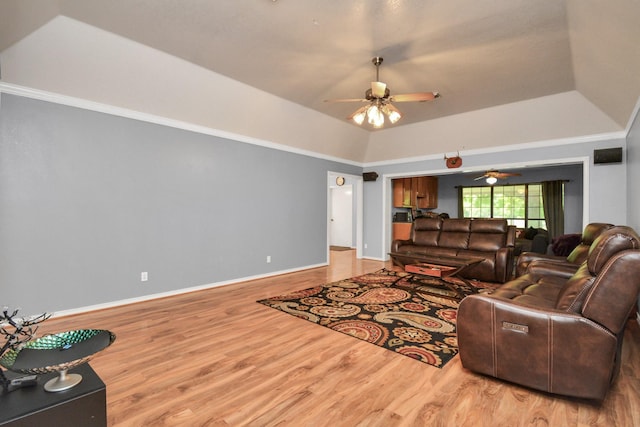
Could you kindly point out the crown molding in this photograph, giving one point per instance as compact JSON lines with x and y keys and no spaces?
{"x":71,"y":101}
{"x":512,"y":147}
{"x":56,"y":98}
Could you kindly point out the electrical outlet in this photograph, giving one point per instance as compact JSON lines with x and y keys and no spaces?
{"x":268,"y":259}
{"x":365,"y":246}
{"x":144,"y":276}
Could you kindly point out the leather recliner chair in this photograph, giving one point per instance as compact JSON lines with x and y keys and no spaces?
{"x":575,"y":258}
{"x":552,"y":333}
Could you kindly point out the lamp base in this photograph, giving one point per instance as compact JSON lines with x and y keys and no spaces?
{"x":63,"y":382}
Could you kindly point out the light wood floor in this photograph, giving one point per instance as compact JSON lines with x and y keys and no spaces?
{"x":216,"y":357}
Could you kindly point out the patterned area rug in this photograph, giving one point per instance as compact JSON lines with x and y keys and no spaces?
{"x":410,"y":314}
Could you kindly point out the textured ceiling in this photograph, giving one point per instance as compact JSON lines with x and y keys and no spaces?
{"x":476,"y":54}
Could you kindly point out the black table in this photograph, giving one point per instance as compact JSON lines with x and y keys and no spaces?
{"x":82,"y":405}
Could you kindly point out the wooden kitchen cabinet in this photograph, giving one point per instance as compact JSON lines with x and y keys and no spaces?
{"x":427,"y":192}
{"x":398,"y":192}
{"x":415,"y":192}
{"x":401,"y":230}
{"x":408,"y":195}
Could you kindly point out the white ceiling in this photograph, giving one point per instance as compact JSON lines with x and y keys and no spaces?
{"x":477,"y":54}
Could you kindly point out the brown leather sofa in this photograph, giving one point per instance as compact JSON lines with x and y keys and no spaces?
{"x":575,"y":258}
{"x":490,"y":239}
{"x":555,"y":332}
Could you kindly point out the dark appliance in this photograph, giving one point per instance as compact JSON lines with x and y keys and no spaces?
{"x":402,"y":217}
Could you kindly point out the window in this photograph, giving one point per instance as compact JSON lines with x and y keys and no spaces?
{"x":520,"y":205}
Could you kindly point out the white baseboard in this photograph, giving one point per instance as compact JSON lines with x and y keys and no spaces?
{"x":178,"y":291}
{"x":374,"y":258}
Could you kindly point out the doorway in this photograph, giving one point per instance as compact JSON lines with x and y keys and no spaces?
{"x":341,"y":221}
{"x":349,"y":203}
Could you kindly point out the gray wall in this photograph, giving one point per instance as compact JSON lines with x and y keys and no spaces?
{"x":89,"y":200}
{"x":633,"y":176}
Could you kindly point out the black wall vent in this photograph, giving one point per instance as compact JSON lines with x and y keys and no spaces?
{"x":607,"y":155}
{"x":369,"y":176}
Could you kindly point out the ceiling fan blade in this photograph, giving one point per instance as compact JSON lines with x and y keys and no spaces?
{"x":378,"y":89}
{"x":418,"y":96}
{"x":479,"y":178}
{"x":347,"y":100}
{"x":506,"y":174}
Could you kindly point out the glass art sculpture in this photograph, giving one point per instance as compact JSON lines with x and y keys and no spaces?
{"x":58,"y":353}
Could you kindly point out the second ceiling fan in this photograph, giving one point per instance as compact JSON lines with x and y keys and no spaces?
{"x":493,"y":176}
{"x":380,"y":101}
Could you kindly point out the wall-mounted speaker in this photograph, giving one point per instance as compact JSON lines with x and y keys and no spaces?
{"x":369,"y":176}
{"x":607,"y":155}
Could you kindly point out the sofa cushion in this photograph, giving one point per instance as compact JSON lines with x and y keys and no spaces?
{"x":488,"y":234}
{"x":428,"y":250}
{"x":458,"y":225}
{"x":532,"y":290}
{"x":530,"y":233}
{"x":495,"y":225}
{"x":426,"y":231}
{"x":487,"y":242}
{"x":565,"y":244}
{"x":455,"y":233}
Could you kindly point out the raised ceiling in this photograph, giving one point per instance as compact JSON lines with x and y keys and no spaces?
{"x":476,"y":54}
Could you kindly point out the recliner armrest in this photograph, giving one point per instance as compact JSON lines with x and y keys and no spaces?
{"x":542,"y":267}
{"x":395,"y":245}
{"x":526,"y":258}
{"x":545,"y":349}
{"x":504,"y":264}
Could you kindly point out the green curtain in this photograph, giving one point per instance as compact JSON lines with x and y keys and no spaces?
{"x":552,"y":202}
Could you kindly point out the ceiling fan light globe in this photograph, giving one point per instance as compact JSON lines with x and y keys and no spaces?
{"x":392,"y":112}
{"x":378,"y":124}
{"x":394,"y":116}
{"x":492,"y":180}
{"x":375,"y":116}
{"x":359,"y":117}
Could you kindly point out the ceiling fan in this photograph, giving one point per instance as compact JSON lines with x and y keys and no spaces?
{"x":492,"y":176}
{"x":380,"y":101}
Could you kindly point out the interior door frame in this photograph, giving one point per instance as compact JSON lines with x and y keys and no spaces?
{"x":358,"y":205}
{"x":387,"y":190}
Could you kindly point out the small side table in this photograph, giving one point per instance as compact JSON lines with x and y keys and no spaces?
{"x":82,"y":405}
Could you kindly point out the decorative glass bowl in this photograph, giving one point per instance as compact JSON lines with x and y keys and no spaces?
{"x":58,"y":353}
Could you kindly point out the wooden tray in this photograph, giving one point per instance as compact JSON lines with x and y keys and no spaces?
{"x":430,"y":269}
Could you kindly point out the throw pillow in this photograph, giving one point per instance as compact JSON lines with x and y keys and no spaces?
{"x":530,"y":233}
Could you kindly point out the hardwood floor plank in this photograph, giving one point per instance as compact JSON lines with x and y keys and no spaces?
{"x":216,"y":357}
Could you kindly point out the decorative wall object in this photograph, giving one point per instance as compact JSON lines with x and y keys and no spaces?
{"x":16,"y":331}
